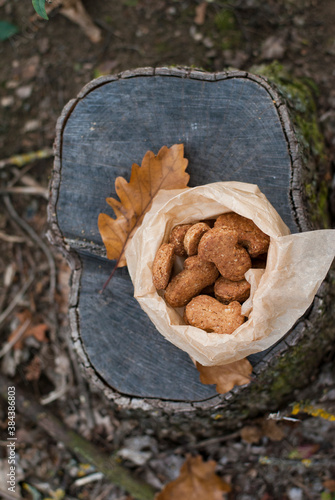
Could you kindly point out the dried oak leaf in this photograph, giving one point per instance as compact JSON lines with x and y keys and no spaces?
{"x":226,"y":376}
{"x":197,"y":481}
{"x":38,"y":331}
{"x":164,"y":171}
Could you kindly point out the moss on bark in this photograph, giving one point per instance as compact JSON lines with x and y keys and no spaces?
{"x":300,"y":96}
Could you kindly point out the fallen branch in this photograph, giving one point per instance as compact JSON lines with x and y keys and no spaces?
{"x":18,"y":297}
{"x":34,"y":237}
{"x":25,"y":158}
{"x":9,"y":496}
{"x":83,"y":449}
{"x":11,"y":238}
{"x":9,"y":344}
{"x":37,"y":190}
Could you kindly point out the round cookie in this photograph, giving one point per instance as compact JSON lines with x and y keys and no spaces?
{"x":193,"y":236}
{"x":177,"y":236}
{"x":210,"y":315}
{"x":227,"y":291}
{"x":162,"y":266}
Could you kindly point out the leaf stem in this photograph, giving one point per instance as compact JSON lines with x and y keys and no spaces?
{"x":110,"y":276}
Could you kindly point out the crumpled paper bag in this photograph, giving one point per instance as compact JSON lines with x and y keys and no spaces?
{"x":296,"y":266}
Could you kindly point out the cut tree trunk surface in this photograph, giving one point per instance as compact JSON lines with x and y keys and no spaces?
{"x":234,"y":126}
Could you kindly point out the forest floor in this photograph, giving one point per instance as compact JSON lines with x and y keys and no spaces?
{"x":45,"y":65}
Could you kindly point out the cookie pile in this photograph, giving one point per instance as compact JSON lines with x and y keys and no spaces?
{"x":211,"y":285}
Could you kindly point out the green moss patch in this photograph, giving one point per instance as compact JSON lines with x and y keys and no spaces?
{"x":299,"y":95}
{"x":226,"y":25}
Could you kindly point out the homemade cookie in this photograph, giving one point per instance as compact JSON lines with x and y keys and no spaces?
{"x":193,"y":236}
{"x":177,"y":238}
{"x":196,"y":275}
{"x":249,"y":235}
{"x":210,"y":315}
{"x":220,"y":246}
{"x":227,"y":291}
{"x":162,"y":266}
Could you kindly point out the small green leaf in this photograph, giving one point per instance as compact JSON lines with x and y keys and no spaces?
{"x":39,"y":6}
{"x":327,"y":496}
{"x":7,"y":30}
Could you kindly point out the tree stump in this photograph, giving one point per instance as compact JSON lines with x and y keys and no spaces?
{"x":234,"y":126}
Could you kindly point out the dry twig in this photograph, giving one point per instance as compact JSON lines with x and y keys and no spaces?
{"x":85,"y":399}
{"x":16,"y":300}
{"x":11,"y":238}
{"x":21,"y":160}
{"x":34,"y":236}
{"x":21,"y":331}
{"x":83,"y":449}
{"x":36,"y":190}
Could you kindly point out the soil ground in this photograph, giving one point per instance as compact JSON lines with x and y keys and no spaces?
{"x":45,"y":65}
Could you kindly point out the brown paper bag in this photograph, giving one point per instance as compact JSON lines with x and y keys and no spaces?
{"x":280,"y":294}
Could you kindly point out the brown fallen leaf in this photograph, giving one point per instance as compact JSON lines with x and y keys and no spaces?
{"x":251,"y":434}
{"x":38,"y":331}
{"x":164,"y":171}
{"x":226,"y":376}
{"x":272,"y":429}
{"x":329,"y":484}
{"x":197,"y":481}
{"x":306,"y":451}
{"x":262,"y":427}
{"x":200,"y":13}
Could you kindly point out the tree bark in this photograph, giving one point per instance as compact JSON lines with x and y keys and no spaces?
{"x":235,"y":126}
